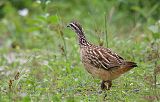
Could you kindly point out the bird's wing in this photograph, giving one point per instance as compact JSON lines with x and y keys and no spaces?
{"x":104,"y":58}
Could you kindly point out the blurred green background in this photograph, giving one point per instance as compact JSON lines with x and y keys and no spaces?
{"x":40,"y":55}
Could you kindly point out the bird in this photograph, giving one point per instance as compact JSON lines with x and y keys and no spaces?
{"x":99,"y":61}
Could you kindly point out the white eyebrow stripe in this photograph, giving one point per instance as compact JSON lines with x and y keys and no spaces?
{"x":75,"y":27}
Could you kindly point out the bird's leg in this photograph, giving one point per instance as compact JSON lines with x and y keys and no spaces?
{"x":106,"y":85}
{"x":103,"y":85}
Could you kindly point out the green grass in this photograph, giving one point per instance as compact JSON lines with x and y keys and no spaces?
{"x":40,"y":58}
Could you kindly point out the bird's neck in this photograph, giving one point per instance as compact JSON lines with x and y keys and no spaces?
{"x":82,"y":41}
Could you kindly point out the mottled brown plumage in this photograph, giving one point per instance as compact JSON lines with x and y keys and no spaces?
{"x":99,"y":61}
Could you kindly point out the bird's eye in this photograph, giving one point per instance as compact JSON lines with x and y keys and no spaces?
{"x":83,"y":41}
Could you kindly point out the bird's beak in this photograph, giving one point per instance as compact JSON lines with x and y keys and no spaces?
{"x":68,"y":25}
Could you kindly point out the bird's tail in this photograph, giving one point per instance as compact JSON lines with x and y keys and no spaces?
{"x":129,"y":64}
